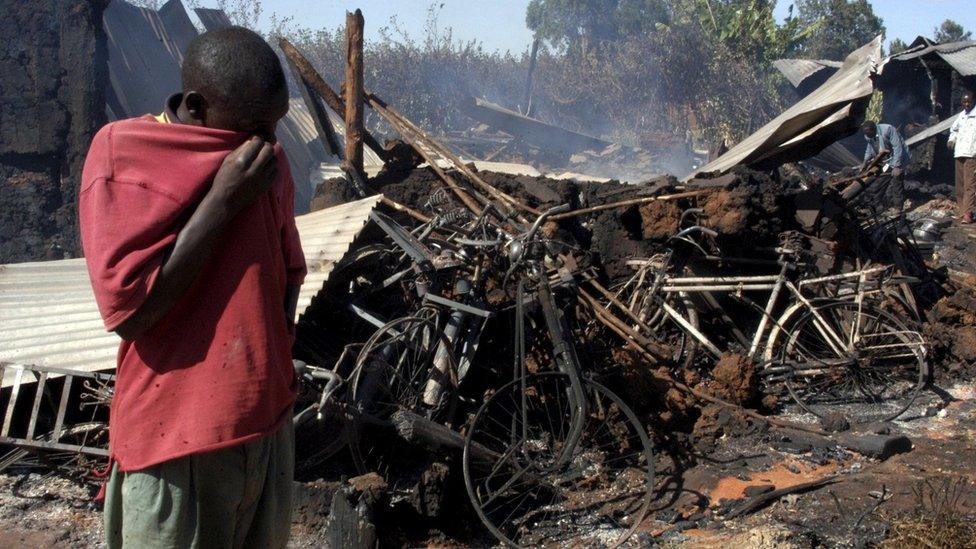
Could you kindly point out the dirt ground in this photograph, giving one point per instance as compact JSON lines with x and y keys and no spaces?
{"x":859,"y":508}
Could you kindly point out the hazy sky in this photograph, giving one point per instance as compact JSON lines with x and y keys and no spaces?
{"x":500,"y":24}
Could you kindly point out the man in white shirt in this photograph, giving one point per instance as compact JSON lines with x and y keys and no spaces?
{"x":962,"y":140}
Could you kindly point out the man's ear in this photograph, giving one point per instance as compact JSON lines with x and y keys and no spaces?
{"x":196,"y":105}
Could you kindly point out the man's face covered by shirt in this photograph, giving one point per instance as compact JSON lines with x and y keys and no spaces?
{"x":251,"y":115}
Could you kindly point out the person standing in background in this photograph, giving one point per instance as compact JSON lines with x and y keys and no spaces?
{"x":885,"y":138}
{"x":962,"y":140}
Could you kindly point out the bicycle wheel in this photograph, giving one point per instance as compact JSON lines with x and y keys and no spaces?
{"x":532,"y":485}
{"x":396,"y":371}
{"x":854,"y":359}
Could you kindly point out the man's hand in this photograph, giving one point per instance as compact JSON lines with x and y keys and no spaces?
{"x":246,"y":173}
{"x":897,"y":172}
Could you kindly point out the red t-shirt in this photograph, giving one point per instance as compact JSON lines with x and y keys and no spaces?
{"x":216,"y":370}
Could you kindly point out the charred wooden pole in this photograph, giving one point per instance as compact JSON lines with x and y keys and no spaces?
{"x":323,"y":127}
{"x":628,"y":202}
{"x":413,"y":139}
{"x":422,"y":139}
{"x":314,"y":80}
{"x":354,"y":92}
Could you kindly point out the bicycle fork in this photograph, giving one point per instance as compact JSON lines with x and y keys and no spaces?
{"x":568,"y":363}
{"x":441,"y":377}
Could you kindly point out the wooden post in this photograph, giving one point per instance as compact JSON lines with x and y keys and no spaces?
{"x":527,"y":101}
{"x":354,"y":91}
{"x":314,"y":80}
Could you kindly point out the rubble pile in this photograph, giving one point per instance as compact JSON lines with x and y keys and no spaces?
{"x":749,"y":210}
{"x":951,"y":328}
{"x":750,"y":213}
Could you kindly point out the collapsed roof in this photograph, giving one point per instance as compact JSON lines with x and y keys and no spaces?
{"x":812,"y":123}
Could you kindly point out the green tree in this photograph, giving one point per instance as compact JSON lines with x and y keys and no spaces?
{"x":579,"y":26}
{"x":842,"y":26}
{"x":950,"y":31}
{"x":746,"y":27}
{"x":897,"y":46}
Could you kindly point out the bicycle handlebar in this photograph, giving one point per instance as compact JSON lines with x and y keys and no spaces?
{"x":694,"y":228}
{"x":530,"y":234}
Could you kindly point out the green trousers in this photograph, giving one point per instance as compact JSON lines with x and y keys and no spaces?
{"x":231,"y":498}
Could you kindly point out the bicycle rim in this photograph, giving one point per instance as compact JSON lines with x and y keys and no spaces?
{"x":511,"y":452}
{"x":873,"y":374}
{"x":392,"y":373}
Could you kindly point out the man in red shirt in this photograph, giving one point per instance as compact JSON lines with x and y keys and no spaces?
{"x":187,"y":223}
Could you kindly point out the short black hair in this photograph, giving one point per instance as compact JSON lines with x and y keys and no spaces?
{"x":234,"y":66}
{"x":868,"y":124}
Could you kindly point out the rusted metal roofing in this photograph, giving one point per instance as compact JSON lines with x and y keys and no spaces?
{"x":798,"y":70}
{"x":48,"y":315}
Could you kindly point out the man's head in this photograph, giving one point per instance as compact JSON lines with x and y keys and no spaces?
{"x":968,"y":100}
{"x":869,"y":129}
{"x":232,"y":80}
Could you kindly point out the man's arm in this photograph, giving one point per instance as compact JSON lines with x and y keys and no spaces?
{"x":868,"y":153}
{"x":954,"y":131}
{"x":897,"y":148}
{"x":245,"y":174}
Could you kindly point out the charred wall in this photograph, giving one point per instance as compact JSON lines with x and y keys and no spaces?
{"x":53,"y":69}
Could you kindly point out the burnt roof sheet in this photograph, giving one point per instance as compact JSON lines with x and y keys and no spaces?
{"x":798,"y":70}
{"x":961,"y":56}
{"x":806,"y":127}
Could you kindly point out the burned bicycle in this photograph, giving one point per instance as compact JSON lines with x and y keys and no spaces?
{"x":827,"y":339}
{"x":549,"y":454}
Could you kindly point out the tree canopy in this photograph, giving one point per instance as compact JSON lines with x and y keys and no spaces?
{"x":897,"y":46}
{"x":580,"y":25}
{"x":951,"y":31}
{"x":840,"y":26}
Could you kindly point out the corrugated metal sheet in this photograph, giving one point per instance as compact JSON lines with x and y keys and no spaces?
{"x":304,"y":154}
{"x":177,"y":23}
{"x":48,"y":317}
{"x":959,"y":55}
{"x":798,"y":70}
{"x":932,"y":130}
{"x":812,"y":119}
{"x":48,"y":314}
{"x":143,"y":59}
{"x":326,"y":237}
{"x":962,"y":58}
{"x":212,"y":19}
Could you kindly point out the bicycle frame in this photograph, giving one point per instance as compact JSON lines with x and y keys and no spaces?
{"x":775,"y":284}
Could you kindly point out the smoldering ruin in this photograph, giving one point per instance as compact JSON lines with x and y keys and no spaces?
{"x":523,"y":334}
